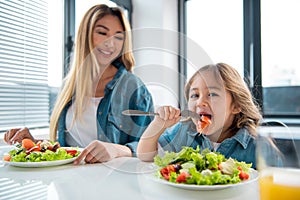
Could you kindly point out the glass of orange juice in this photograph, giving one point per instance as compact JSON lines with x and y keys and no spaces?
{"x":278,"y":162}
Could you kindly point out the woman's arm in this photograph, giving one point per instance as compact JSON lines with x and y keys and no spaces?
{"x":16,"y":135}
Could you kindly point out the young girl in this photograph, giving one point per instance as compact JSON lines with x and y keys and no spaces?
{"x":219,"y":94}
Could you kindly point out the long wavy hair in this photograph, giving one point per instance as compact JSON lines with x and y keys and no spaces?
{"x":250,"y":115}
{"x":84,"y":71}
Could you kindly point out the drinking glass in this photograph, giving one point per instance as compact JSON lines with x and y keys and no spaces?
{"x":278,"y":162}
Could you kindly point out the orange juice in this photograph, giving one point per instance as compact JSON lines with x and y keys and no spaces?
{"x":280,"y":184}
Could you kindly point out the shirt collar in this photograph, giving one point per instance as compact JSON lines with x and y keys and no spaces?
{"x":121,"y":71}
{"x":243,"y":137}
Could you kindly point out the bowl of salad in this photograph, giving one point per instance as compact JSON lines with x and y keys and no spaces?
{"x":205,"y":170}
{"x":41,"y":154}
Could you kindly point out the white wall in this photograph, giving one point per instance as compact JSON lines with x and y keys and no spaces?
{"x":155,"y":46}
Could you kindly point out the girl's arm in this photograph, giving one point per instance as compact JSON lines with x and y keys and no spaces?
{"x":147,"y":147}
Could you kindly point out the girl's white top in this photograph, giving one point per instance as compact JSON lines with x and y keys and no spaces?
{"x":215,"y":145}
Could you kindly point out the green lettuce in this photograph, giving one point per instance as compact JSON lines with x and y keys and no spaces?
{"x":203,"y":167}
{"x":20,"y":155}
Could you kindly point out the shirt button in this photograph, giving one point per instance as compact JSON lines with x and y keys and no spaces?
{"x":100,"y":113}
{"x":120,"y":126}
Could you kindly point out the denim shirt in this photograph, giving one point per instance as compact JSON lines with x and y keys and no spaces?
{"x":241,"y":146}
{"x":124,"y":91}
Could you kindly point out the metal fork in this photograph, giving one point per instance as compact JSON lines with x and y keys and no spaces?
{"x":184,"y":113}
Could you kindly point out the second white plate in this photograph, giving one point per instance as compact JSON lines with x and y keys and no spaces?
{"x":253,"y":177}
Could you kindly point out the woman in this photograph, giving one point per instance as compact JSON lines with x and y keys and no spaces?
{"x":216,"y":92}
{"x":97,"y":89}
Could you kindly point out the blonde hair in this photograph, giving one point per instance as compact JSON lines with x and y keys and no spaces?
{"x":79,"y":82}
{"x":241,"y":96}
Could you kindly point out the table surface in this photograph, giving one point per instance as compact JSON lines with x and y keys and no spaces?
{"x":121,"y":178}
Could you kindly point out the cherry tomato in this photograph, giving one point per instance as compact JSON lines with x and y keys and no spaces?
{"x":166,"y":171}
{"x":243,"y":175}
{"x":6,"y":157}
{"x":181,"y":178}
{"x":71,"y":151}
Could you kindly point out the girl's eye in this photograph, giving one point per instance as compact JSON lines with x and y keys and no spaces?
{"x":212,"y":94}
{"x":193,"y":96}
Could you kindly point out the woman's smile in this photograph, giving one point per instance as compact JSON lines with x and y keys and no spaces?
{"x":105,"y":52}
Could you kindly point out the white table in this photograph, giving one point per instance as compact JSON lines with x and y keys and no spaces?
{"x":122,"y":178}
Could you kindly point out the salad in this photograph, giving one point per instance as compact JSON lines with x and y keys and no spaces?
{"x":28,"y":151}
{"x":189,"y":166}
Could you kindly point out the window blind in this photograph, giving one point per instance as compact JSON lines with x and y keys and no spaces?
{"x":24,"y":91}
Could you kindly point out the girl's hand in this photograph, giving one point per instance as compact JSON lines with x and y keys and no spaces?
{"x":98,"y":151}
{"x":16,"y":135}
{"x":147,"y":146}
{"x":168,"y":116}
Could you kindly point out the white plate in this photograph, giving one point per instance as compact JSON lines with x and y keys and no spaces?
{"x":43,"y":163}
{"x":253,"y":177}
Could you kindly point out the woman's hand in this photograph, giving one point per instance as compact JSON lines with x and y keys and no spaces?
{"x":99,"y":151}
{"x":17,"y":135}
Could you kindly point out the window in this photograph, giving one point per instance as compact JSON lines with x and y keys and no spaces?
{"x":24,"y":59}
{"x":280,"y":43}
{"x":23,"y":64}
{"x":261,"y":39}
{"x":216,"y":26}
